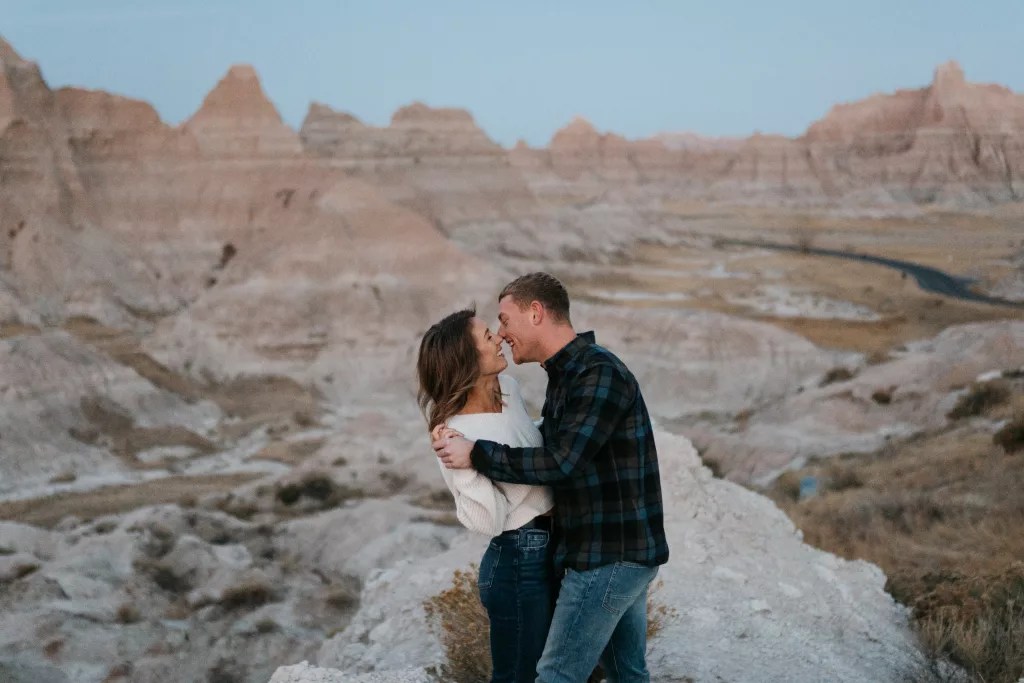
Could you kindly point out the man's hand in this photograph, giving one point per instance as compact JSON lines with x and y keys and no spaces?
{"x":454,"y":450}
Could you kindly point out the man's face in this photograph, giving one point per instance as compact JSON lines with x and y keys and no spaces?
{"x":515,"y":326}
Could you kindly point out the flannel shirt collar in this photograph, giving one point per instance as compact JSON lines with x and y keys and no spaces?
{"x":558,"y":362}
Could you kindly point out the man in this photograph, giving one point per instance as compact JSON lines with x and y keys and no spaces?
{"x":600,"y":460}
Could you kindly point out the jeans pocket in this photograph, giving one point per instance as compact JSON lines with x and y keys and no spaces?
{"x":627,"y":582}
{"x":488,"y":566}
{"x":534,"y":539}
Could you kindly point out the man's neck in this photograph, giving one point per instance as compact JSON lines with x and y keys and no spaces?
{"x":561,"y":336}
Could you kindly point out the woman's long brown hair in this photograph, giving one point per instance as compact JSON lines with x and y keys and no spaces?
{"x":448,"y":367}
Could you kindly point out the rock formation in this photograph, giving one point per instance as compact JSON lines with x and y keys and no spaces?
{"x":953,"y":143}
{"x":435,"y":161}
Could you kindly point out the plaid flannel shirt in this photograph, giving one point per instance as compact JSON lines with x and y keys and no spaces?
{"x":599,"y":458}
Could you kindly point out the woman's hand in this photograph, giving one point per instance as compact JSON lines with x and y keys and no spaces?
{"x":443,"y":431}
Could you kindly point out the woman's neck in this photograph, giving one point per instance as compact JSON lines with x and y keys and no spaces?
{"x":484,"y":397}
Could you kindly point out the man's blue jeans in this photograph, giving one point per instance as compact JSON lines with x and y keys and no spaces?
{"x":517,"y":590}
{"x":601,"y":614}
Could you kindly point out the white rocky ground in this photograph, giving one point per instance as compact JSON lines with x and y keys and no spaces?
{"x":910,"y":393}
{"x":749,"y":600}
{"x":61,"y":397}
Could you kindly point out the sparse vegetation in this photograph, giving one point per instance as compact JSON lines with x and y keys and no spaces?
{"x":836,"y":375}
{"x":65,"y":477}
{"x":318,"y":487}
{"x":128,"y":613}
{"x":248,"y":593}
{"x":658,"y":614}
{"x":979,"y":398}
{"x":1011,"y":436}
{"x":435,"y":499}
{"x":975,"y":621}
{"x":882,"y":397}
{"x":787,"y":485}
{"x":344,"y":595}
{"x":942,"y":515}
{"x":267,"y":626}
{"x":169,"y":581}
{"x":460,"y":622}
{"x":225,"y":671}
{"x":119,"y":672}
{"x":842,"y":478}
{"x":714,"y":465}
{"x":52,"y":648}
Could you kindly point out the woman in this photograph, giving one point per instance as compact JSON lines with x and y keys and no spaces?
{"x":461,"y":388}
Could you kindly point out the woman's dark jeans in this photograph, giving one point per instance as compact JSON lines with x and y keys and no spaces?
{"x":517,"y":591}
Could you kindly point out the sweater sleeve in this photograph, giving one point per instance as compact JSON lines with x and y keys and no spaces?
{"x":479,"y":505}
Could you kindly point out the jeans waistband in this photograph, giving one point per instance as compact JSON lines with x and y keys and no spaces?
{"x":542,"y":522}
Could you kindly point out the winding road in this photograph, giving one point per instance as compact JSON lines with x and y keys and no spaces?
{"x":929,"y":279}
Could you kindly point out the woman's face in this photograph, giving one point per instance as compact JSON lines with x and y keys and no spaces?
{"x":488,"y":346}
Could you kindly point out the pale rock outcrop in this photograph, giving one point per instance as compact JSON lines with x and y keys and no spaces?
{"x":359,"y":540}
{"x":341,"y":268}
{"x":747,"y":600}
{"x":305,"y":673}
{"x":922,"y":383}
{"x":63,"y":403}
{"x":29,"y":540}
{"x":163,"y":593}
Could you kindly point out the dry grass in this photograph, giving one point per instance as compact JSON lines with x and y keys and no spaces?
{"x":1011,"y":436}
{"x":459,"y":620}
{"x":128,"y":613}
{"x":836,"y":375}
{"x":980,"y":397}
{"x":317,"y":487}
{"x":289,"y":452}
{"x":9,"y":330}
{"x":112,"y":426}
{"x":109,"y":500}
{"x":248,"y":593}
{"x":943,"y":516}
{"x":975,"y":621}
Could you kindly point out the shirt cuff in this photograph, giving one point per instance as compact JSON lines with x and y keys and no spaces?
{"x":480,"y":457}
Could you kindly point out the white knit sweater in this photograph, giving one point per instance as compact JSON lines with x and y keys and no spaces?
{"x":491,"y":507}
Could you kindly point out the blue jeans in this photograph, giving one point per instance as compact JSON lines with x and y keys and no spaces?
{"x":517,"y":590}
{"x":601,"y":614}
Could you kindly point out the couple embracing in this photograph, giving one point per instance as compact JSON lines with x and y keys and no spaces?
{"x":573,"y":505}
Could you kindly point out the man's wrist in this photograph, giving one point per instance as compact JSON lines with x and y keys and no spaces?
{"x":478,"y":456}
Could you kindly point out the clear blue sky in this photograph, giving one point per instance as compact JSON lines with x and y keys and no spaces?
{"x":525,"y":68}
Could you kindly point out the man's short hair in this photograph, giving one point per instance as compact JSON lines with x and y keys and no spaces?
{"x":541,"y":287}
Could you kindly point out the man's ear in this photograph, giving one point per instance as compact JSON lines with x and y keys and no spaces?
{"x":536,"y":312}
